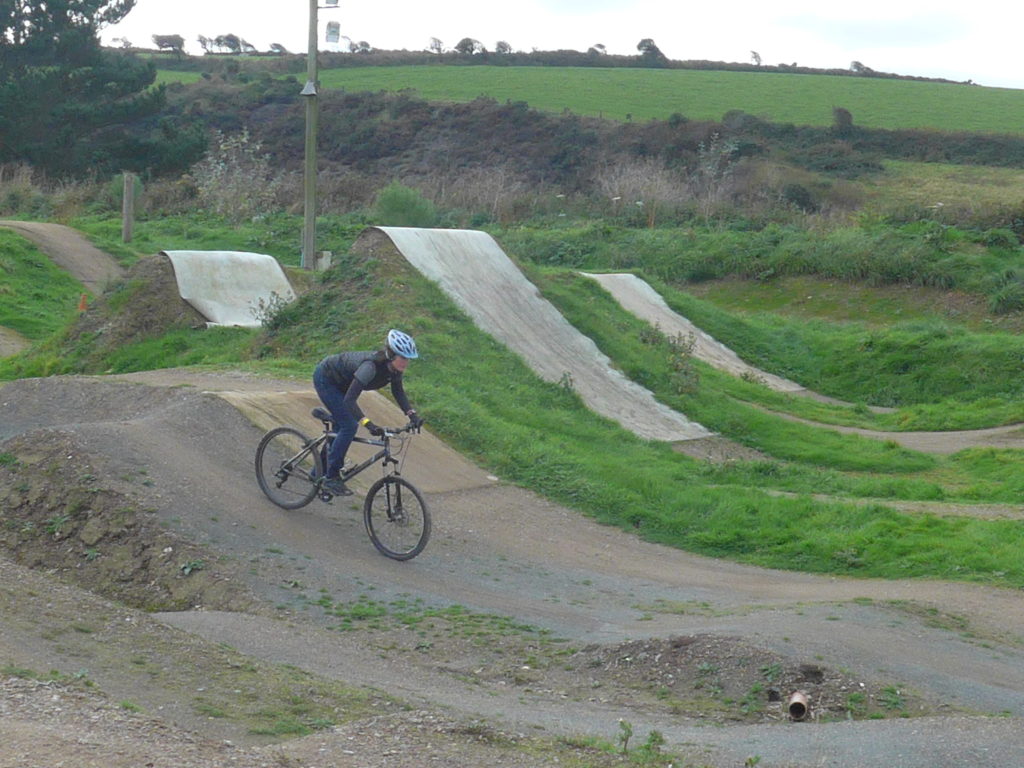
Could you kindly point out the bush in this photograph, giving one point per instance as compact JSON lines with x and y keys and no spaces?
{"x":236,"y":179}
{"x":401,"y":206}
{"x":1000,"y":238}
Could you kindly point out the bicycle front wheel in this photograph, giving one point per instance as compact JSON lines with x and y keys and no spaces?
{"x":285,"y":459}
{"x":397,"y":518}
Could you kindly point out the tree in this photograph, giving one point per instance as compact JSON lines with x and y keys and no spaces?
{"x":467,"y":46}
{"x":436,"y":46}
{"x":756,"y":58}
{"x":597,"y":49}
{"x":842,"y":121}
{"x":70,"y":107}
{"x":172,"y":43}
{"x":228,"y":42}
{"x":502,"y":48}
{"x":38,"y":33}
{"x":650,"y":53}
{"x":278,"y":49}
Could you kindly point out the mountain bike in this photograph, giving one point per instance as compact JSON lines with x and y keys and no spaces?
{"x":290,"y":468}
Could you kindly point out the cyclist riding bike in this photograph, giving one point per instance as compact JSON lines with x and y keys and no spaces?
{"x":339,"y":381}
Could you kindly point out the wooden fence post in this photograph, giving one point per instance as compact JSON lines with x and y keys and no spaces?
{"x":128,"y":208}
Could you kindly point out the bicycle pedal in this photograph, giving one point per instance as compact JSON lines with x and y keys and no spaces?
{"x":328,"y":495}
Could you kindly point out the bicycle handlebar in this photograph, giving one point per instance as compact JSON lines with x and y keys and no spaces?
{"x":410,"y":427}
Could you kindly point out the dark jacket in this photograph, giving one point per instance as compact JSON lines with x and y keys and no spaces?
{"x":355,"y":372}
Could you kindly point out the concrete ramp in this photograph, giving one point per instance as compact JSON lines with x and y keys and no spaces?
{"x":638,"y":297}
{"x":472,"y":268}
{"x":430,"y":464}
{"x":230,"y":287}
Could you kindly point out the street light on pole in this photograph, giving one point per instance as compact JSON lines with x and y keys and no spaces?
{"x":310,"y":93}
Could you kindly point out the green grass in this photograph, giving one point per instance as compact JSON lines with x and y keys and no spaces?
{"x":644,"y":94}
{"x":803,"y":459}
{"x":37,"y":298}
{"x":171,"y":76}
{"x":807,"y":297}
{"x":918,"y":253}
{"x":921,"y":362}
{"x":279,"y":236}
{"x":943,"y":186}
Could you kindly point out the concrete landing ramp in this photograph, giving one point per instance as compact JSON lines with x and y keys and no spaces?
{"x":472,"y":268}
{"x":430,"y":464}
{"x":230,"y":287}
{"x":638,"y":297}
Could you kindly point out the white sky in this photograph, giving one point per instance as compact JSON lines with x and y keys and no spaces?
{"x":953,"y":39}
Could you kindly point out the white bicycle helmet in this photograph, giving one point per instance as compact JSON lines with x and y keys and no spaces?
{"x":399,"y":343}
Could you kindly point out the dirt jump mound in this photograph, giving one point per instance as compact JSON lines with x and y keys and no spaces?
{"x":472,"y":268}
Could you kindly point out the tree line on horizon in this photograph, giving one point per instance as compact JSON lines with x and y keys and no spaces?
{"x":469,"y":50}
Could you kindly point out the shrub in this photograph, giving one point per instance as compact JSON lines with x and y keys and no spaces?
{"x":799,"y":196}
{"x":401,"y":206}
{"x":236,"y":179}
{"x":1000,"y":238}
{"x":1008,"y":293}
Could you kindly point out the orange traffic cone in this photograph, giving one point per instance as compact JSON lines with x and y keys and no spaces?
{"x":82,"y":302}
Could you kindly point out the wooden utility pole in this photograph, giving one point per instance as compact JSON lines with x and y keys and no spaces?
{"x":309,"y":91}
{"x":128,"y":208}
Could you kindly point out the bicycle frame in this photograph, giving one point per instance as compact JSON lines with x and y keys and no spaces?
{"x":383,"y":454}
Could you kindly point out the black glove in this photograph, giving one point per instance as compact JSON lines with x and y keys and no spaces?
{"x":415,"y":420}
{"x":373,"y":429}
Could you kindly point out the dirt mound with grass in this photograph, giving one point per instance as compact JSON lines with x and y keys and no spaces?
{"x":144,"y":304}
{"x":63,"y":512}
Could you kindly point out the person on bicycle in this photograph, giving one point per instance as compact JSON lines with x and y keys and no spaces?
{"x":340,"y":379}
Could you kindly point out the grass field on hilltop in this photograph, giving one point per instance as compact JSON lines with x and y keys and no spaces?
{"x":707,"y":95}
{"x":643,"y":94}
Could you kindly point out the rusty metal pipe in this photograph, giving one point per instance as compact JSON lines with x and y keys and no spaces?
{"x":797,"y":705}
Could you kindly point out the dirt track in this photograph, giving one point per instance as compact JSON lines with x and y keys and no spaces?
{"x":502,"y":550}
{"x":499,"y":549}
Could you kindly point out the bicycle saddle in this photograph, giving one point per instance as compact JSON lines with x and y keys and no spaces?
{"x":323,"y":414}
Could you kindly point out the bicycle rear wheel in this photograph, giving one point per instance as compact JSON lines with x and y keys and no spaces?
{"x":397,"y":518}
{"x":285,"y":460}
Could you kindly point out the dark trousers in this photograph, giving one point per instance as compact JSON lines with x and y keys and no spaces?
{"x":345,"y":424}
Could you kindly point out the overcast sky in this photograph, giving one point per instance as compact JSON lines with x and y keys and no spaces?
{"x":958,"y":40}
